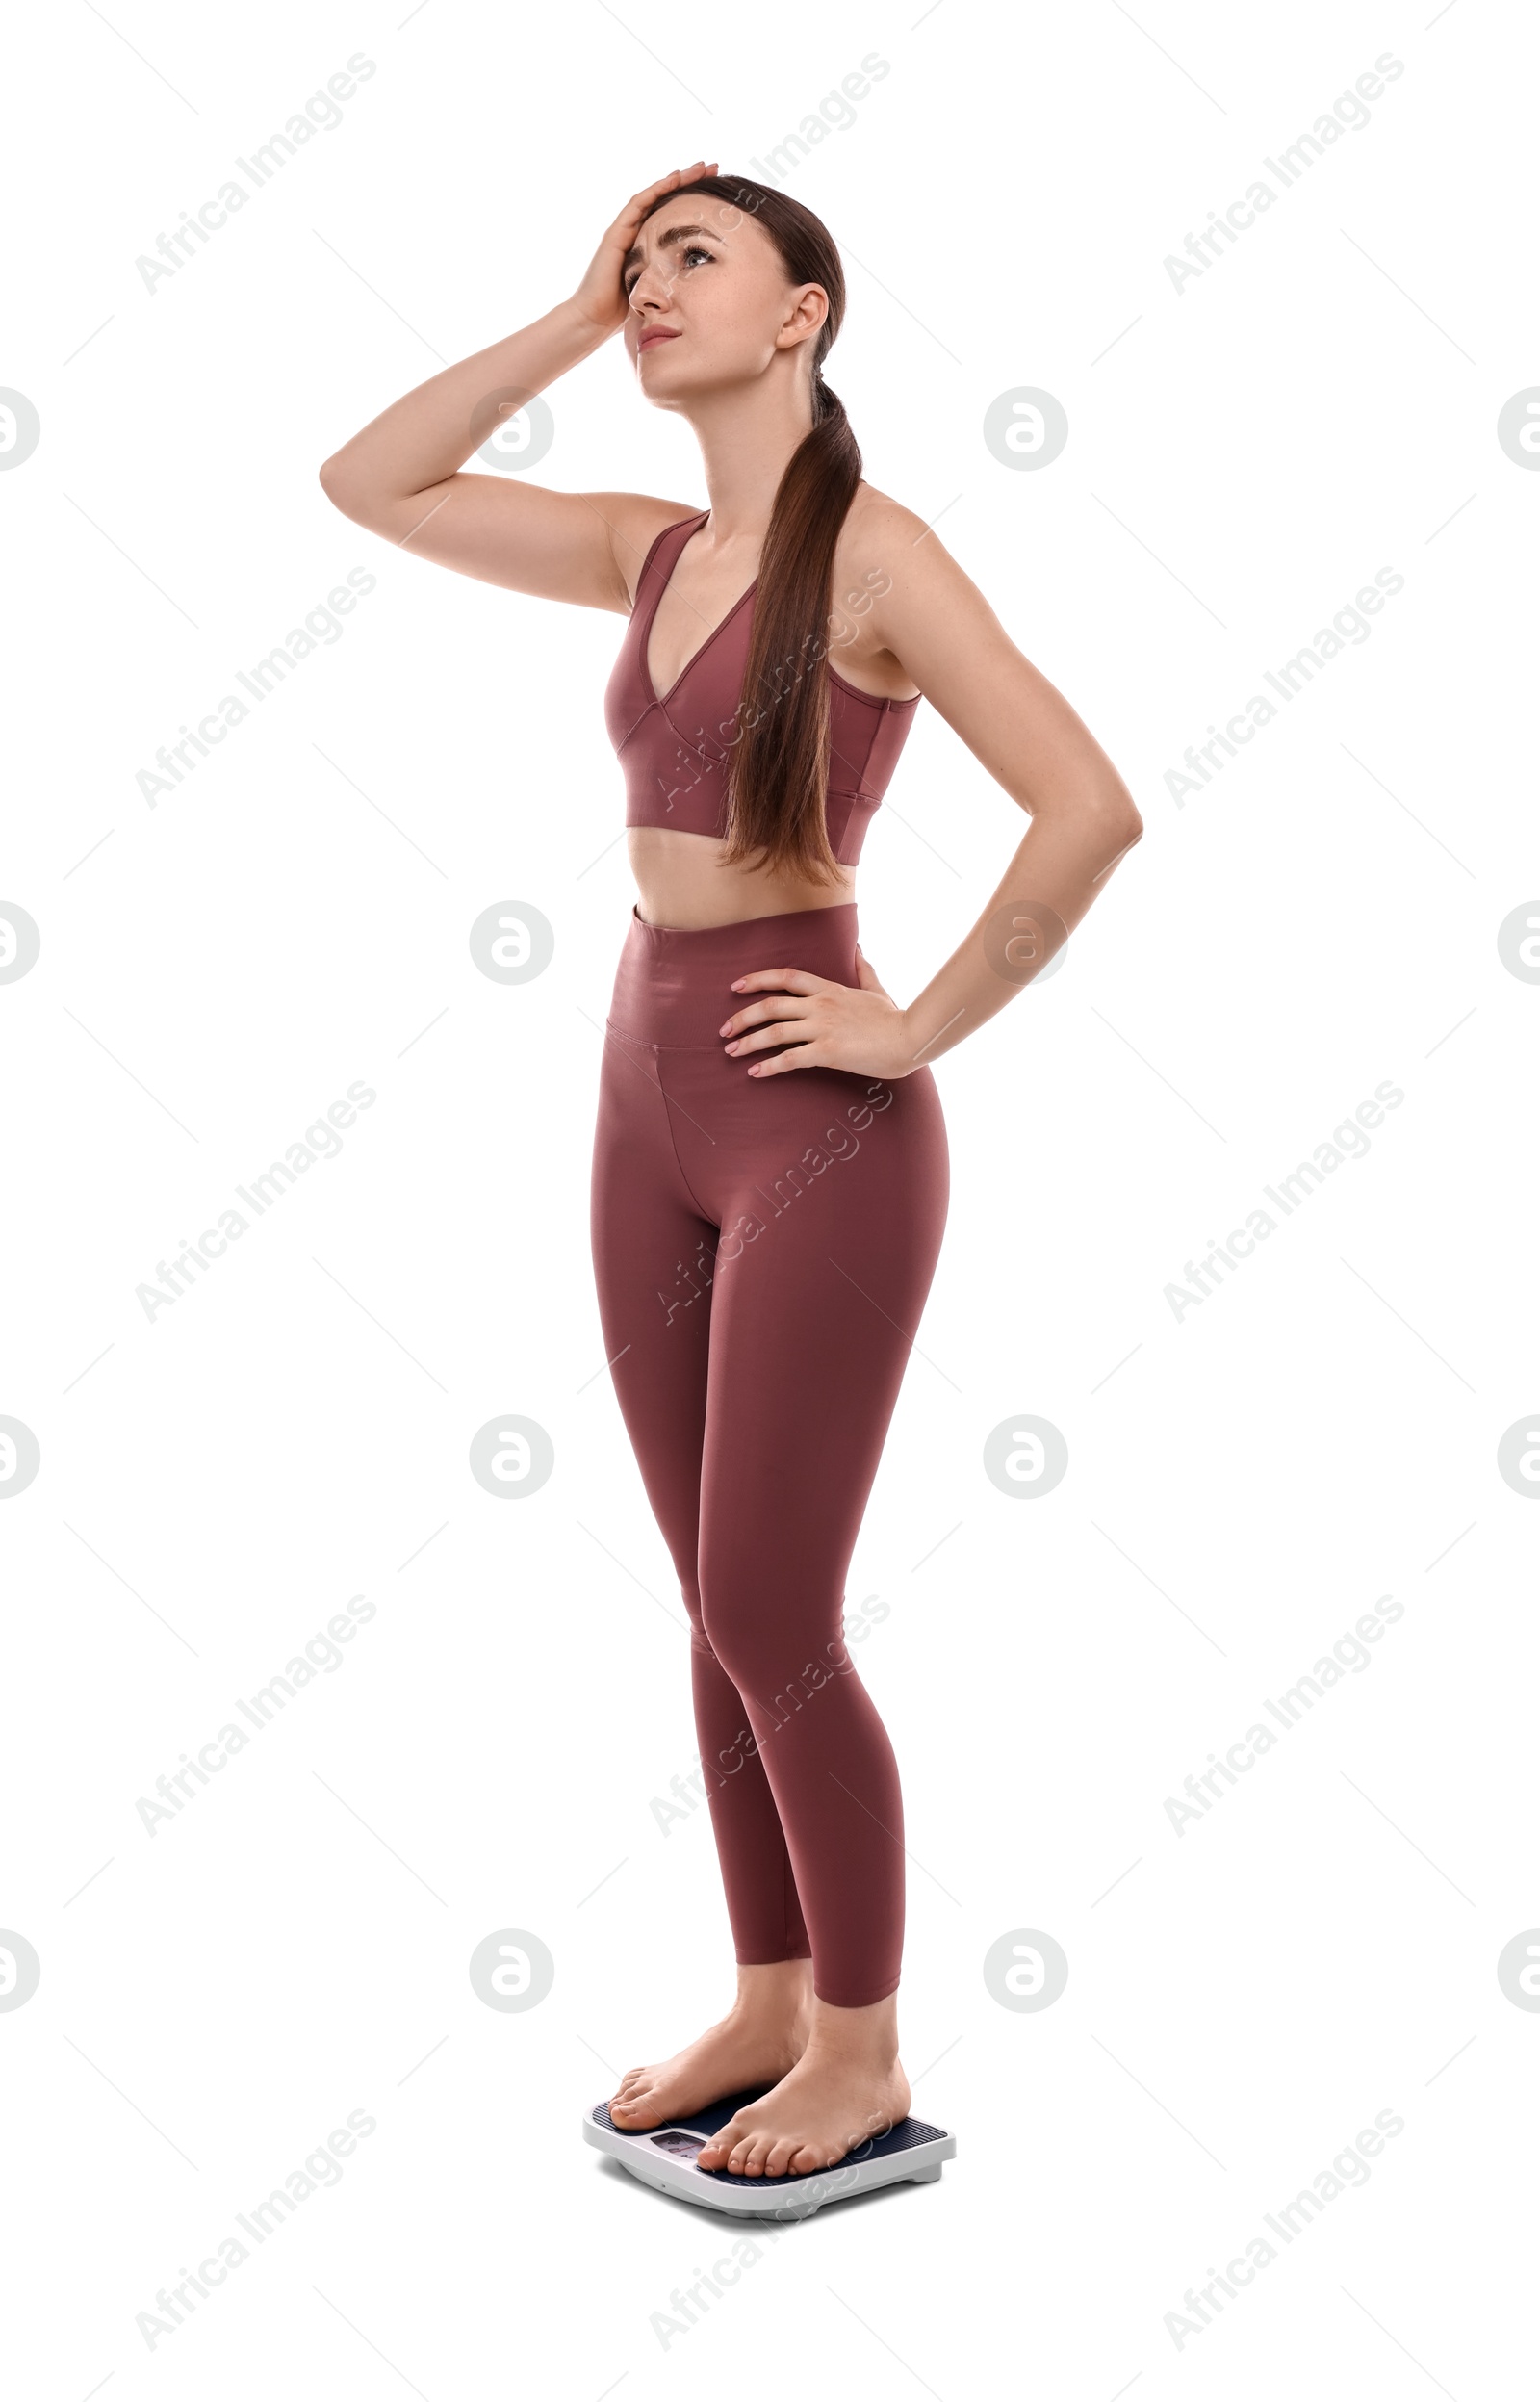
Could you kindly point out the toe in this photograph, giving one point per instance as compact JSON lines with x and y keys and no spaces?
{"x":720,"y":2147}
{"x":778,"y":2159}
{"x":640,"y":2102}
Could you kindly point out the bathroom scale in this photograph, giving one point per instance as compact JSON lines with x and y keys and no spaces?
{"x":664,"y":2156}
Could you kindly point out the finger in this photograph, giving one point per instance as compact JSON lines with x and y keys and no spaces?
{"x":782,"y":1005}
{"x":763,"y":1038}
{"x":640,"y":201}
{"x":774,"y":979}
{"x":803,"y":1056}
{"x":679,"y":175}
{"x":793,"y":979}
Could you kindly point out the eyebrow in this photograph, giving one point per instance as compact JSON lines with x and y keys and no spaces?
{"x":674,"y":235}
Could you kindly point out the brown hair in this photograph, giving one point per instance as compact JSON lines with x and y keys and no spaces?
{"x":777,"y":773}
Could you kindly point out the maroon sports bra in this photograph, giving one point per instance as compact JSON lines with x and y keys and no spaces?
{"x":674,"y":747}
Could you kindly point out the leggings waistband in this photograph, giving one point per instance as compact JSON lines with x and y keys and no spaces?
{"x":672,"y":983}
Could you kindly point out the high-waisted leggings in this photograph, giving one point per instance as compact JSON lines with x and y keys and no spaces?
{"x":764,"y":1247}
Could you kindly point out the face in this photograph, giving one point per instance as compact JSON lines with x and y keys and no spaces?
{"x":710,"y":301}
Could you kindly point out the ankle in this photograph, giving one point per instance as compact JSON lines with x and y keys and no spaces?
{"x":774,"y":1997}
{"x":784,"y":2029}
{"x":864,"y":2040}
{"x":873,"y":2062}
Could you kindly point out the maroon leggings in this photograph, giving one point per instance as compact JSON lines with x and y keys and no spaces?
{"x":763,"y":1248}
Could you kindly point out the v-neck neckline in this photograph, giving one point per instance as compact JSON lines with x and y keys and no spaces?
{"x":662,"y":699}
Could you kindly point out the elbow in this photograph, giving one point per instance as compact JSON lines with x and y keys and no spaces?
{"x":1118,"y":827}
{"x":1120,"y":811}
{"x":1129,"y":828}
{"x":341,"y":490}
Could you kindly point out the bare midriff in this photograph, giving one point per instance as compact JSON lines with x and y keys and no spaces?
{"x":683,"y":881}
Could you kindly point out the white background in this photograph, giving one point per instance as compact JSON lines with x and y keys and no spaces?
{"x":1244,"y":1482}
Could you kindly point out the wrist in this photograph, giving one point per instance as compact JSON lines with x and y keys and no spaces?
{"x":908,"y":1043}
{"x":584,"y":328}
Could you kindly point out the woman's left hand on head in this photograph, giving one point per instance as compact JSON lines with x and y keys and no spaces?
{"x":857,"y":1027}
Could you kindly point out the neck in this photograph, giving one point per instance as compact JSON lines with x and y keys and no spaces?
{"x":747,"y":433}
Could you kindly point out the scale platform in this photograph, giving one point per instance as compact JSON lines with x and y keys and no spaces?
{"x":664,"y":2156}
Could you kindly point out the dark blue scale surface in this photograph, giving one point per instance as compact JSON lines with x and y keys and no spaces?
{"x":710,"y":2121}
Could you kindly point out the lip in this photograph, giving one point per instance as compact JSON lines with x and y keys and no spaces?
{"x":656,"y":334}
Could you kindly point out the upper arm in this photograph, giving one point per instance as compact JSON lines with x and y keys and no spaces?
{"x":584,"y":547}
{"x":932,"y":618}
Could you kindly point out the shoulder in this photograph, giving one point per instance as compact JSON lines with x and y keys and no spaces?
{"x":887,"y":546}
{"x":635,"y":522}
{"x":915,"y":583}
{"x":890,"y":573}
{"x":891,"y":565}
{"x":876,"y":517}
{"x":927,"y":622}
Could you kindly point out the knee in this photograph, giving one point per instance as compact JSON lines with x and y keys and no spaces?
{"x":718,"y":1633}
{"x":765,"y":1643}
{"x":690,"y":1592}
{"x":721,"y":1628}
{"x":740,"y":1622}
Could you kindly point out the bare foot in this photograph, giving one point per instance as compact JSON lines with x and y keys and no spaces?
{"x":761,"y":2037}
{"x":831,"y":2102}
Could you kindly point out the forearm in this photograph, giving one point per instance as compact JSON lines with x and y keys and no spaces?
{"x":432,"y":431}
{"x":1061,"y":865}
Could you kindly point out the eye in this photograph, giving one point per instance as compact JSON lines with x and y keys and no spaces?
{"x":692,"y":251}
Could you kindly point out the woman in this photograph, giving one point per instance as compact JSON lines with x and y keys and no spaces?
{"x":770,"y":1161}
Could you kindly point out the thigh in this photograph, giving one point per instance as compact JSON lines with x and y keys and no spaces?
{"x":652,"y":1253}
{"x":833,"y":1208}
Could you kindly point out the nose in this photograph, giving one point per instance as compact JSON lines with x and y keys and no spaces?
{"x":651,"y":289}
